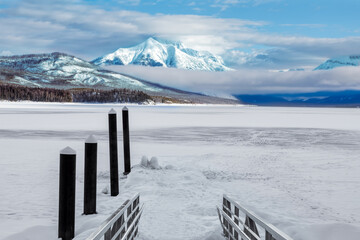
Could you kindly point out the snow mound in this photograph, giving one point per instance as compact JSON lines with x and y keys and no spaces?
{"x":152,"y":164}
{"x":105,"y":190}
{"x":144,"y":162}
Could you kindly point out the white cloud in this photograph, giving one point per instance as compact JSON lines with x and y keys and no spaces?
{"x":304,"y":25}
{"x":64,"y":26}
{"x":274,"y":58}
{"x":130,"y":2}
{"x":90,"y":31}
{"x":6,"y":53}
{"x":248,"y":81}
{"x":259,"y":2}
{"x":225,"y":4}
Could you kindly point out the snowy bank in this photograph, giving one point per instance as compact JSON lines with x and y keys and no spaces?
{"x":296,"y":168}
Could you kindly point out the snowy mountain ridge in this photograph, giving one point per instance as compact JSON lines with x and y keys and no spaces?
{"x":340,"y":62}
{"x":163,"y":53}
{"x":64,"y":71}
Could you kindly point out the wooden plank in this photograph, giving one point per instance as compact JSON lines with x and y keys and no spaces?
{"x":133,"y":225}
{"x":252,"y":225}
{"x":125,"y":227}
{"x":237,"y":215}
{"x":275,"y":232}
{"x":246,"y":227}
{"x":268,"y":236}
{"x":232,"y":223}
{"x":108,"y":223}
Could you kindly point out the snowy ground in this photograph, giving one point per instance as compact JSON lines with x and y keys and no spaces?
{"x":298,"y":168}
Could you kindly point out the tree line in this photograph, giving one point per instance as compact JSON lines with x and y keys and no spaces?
{"x":20,"y":93}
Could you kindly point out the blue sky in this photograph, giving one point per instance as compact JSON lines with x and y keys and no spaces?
{"x":318,"y":18}
{"x":289,"y":33}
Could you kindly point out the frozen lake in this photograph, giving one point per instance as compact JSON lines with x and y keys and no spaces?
{"x":298,"y":168}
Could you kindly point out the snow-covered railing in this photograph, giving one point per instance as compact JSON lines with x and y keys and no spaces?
{"x":123,"y":224}
{"x":235,"y":228}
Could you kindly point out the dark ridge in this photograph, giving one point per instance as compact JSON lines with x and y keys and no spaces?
{"x":12,"y":92}
{"x":53,"y":54}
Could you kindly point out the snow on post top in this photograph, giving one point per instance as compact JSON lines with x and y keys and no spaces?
{"x":112,"y":111}
{"x":68,"y":151}
{"x":91,"y":139}
{"x":125,"y":109}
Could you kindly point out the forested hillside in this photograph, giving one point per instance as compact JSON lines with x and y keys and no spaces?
{"x":20,"y":93}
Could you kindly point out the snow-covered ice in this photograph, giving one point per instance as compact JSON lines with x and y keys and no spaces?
{"x":298,"y":168}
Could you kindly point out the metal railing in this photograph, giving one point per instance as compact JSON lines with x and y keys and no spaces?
{"x":122,"y":224}
{"x":234,"y":228}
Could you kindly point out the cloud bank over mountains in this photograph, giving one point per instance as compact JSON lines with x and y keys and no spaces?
{"x":247,"y":81}
{"x":90,"y":30}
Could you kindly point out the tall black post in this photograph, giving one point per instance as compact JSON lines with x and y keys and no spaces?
{"x":66,"y":229}
{"x":90,"y":175}
{"x":114,"y":172}
{"x":126,"y":140}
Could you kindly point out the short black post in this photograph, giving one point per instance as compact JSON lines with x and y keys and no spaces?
{"x":114,"y":172}
{"x":67,"y":194}
{"x":90,"y":175}
{"x":126,"y":140}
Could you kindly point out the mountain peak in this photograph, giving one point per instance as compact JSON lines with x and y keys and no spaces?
{"x":158,"y":52}
{"x":150,"y":41}
{"x":178,"y":44}
{"x":343,"y":61}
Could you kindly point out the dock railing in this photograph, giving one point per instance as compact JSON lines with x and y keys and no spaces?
{"x":122,"y":224}
{"x":235,"y":228}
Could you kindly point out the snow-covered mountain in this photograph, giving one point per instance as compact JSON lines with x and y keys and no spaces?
{"x":63,"y":71}
{"x":163,"y":53}
{"x":339,"y":62}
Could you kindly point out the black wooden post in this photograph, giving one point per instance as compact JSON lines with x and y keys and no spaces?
{"x":90,"y":175}
{"x":66,"y":226}
{"x":114,"y":173}
{"x":126,"y":140}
